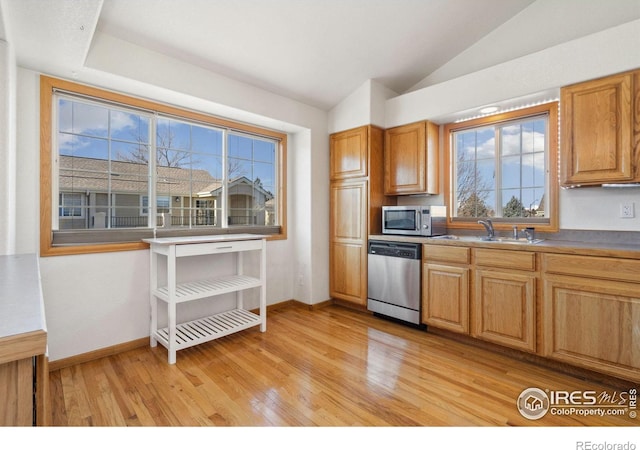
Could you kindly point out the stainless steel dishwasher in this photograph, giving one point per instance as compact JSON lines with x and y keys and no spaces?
{"x":394,"y":280}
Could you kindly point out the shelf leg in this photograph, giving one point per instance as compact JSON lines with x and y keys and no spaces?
{"x":171,"y":304}
{"x":239,"y":271}
{"x":263,"y":287}
{"x":153,"y":301}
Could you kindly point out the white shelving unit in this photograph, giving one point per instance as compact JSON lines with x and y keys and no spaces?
{"x":179,"y":336}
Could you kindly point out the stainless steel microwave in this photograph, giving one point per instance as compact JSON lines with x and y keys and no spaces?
{"x":414,"y":220}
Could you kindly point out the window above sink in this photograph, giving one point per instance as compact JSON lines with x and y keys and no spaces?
{"x":503,"y":167}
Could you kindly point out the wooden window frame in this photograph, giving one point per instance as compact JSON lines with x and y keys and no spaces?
{"x":48,"y":86}
{"x":551,"y":109}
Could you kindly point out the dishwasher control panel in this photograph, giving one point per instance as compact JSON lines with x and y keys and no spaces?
{"x":395,"y":249}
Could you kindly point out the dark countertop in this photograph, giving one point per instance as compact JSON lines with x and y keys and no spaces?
{"x":548,"y":245}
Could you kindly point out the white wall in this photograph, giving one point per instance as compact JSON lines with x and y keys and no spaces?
{"x":542,"y":25}
{"x":96,"y":301}
{"x":7,"y":148}
{"x":364,"y":106}
{"x":526,"y":79}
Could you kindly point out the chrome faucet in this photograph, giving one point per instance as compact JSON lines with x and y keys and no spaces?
{"x":488,"y":225}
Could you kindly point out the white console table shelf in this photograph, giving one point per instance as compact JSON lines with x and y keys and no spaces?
{"x":180,"y":336}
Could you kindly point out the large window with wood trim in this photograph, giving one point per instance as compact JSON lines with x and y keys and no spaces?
{"x":116,"y":169}
{"x":504,"y":167}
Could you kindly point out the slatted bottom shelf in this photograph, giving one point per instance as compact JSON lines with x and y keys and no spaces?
{"x":208,"y":328}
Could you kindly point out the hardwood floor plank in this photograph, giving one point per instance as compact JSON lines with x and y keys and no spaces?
{"x":330,"y":367}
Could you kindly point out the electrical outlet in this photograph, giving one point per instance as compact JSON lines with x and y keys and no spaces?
{"x":627,"y":210}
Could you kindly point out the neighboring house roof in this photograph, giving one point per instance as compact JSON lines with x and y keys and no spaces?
{"x":89,"y":174}
{"x":215,"y":190}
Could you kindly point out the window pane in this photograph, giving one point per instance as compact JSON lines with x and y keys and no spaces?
{"x":206,"y":140}
{"x":265,"y":151}
{"x":539,"y":169}
{"x":251,"y":172}
{"x":166,"y":157}
{"x":173,"y":134}
{"x":510,"y":140}
{"x":207,"y":168}
{"x":510,"y":172}
{"x":512,"y":203}
{"x":108,"y":174}
{"x":89,"y":120}
{"x":126,"y":212}
{"x":528,"y":171}
{"x":105,"y":181}
{"x":501,"y":181}
{"x":240,"y":147}
{"x":189,"y":168}
{"x":84,"y":147}
{"x":238,"y":168}
{"x":129,"y":127}
{"x":137,"y":154}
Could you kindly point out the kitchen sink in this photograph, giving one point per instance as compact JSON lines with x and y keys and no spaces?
{"x":512,"y":240}
{"x":504,"y":240}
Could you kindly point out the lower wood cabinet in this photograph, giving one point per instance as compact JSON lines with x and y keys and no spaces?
{"x":575,"y":309}
{"x":24,"y":390}
{"x":591,"y":313}
{"x":504,"y":308}
{"x":349,"y":272}
{"x":24,"y":369}
{"x":446,"y":297}
{"x":504,"y":301}
{"x":445,"y":287}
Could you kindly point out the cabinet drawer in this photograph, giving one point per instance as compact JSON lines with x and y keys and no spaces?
{"x":592,"y":267}
{"x":446,"y":253}
{"x":505,"y":258}
{"x":209,"y":248}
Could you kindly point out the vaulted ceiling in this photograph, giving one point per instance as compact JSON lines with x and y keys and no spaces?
{"x":313,"y":51}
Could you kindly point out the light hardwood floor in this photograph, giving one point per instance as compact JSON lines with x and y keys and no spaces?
{"x":326,"y":367}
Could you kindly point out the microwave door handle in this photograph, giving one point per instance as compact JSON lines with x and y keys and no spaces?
{"x":418,"y":221}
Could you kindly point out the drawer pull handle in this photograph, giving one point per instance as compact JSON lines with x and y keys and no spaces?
{"x":221,"y":248}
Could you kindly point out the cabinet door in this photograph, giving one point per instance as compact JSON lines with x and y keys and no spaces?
{"x":405,"y":159}
{"x":445,"y":297}
{"x":504,"y":308}
{"x":593,"y":323}
{"x":349,"y":211}
{"x":597,"y":131}
{"x":16,"y":391}
{"x":349,"y":154}
{"x":348,"y":234}
{"x":348,"y":272}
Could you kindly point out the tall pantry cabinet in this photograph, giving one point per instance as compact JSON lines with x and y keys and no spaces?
{"x":356,"y":172}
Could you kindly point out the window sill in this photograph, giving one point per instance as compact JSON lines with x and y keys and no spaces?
{"x":79,"y":242}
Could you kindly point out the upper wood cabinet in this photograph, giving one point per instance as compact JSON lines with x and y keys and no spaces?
{"x":411,"y":159}
{"x":600,"y":123}
{"x":349,"y":154}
